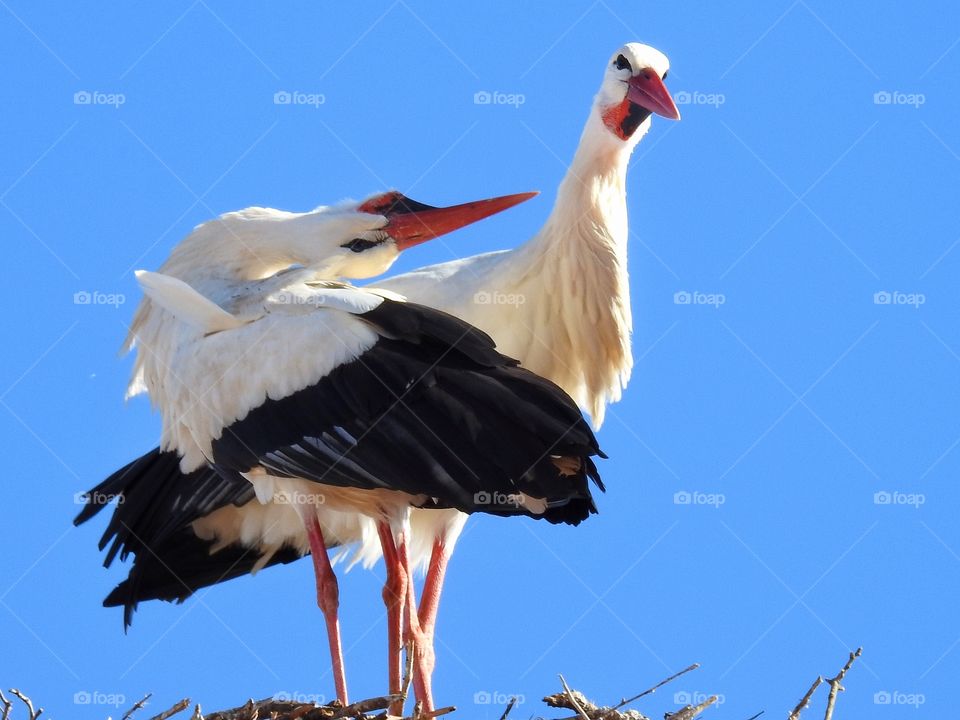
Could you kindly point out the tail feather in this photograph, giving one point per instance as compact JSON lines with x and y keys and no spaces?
{"x":183,"y":564}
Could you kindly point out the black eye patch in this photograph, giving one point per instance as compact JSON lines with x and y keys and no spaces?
{"x":622,"y":63}
{"x":359,"y":245}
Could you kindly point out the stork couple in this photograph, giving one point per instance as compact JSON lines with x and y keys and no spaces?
{"x":301,"y":413}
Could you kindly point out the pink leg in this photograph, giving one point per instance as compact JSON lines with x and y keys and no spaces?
{"x":429,"y":605}
{"x":328,"y":598}
{"x":394,"y":593}
{"x":417,"y":643}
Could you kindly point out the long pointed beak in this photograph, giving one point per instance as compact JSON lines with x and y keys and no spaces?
{"x":410,"y":222}
{"x":648,"y":91}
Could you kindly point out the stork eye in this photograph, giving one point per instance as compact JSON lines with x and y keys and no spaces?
{"x":665,"y":73}
{"x":359,"y":245}
{"x":622,"y":63}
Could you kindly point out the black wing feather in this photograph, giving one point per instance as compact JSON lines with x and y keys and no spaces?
{"x":155,"y":506}
{"x":433,"y":410}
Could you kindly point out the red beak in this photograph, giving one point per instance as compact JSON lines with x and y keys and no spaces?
{"x":410,"y":222}
{"x":648,"y":91}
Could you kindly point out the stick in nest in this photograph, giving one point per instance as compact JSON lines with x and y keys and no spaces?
{"x":179,"y":707}
{"x":573,"y":700}
{"x":656,"y":687}
{"x":691,"y":711}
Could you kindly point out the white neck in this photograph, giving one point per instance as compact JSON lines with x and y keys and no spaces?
{"x":592,"y":192}
{"x":580,"y":321}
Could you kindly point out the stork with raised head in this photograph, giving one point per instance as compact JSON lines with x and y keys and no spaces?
{"x":573,"y":325}
{"x":328,"y":400}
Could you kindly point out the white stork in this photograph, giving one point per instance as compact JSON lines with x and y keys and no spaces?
{"x":573,"y":327}
{"x":327,"y":400}
{"x":560,"y":303}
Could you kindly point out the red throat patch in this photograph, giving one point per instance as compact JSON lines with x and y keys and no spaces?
{"x":613,"y":117}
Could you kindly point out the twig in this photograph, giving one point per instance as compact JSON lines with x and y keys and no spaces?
{"x":835,"y":686}
{"x":7,"y":705}
{"x":573,"y":700}
{"x":34,"y":714}
{"x":197,"y":713}
{"x":179,"y":707}
{"x":691,"y":711}
{"x":365,"y":706}
{"x":139,"y":704}
{"x":439,"y":711}
{"x":407,"y":678}
{"x":805,"y":700}
{"x":656,"y":687}
{"x":757,"y":715}
{"x":513,"y":701}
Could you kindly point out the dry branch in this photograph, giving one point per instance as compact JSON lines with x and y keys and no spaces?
{"x":805,"y":700}
{"x":32,"y":714}
{"x":7,"y":706}
{"x":136,"y":706}
{"x":691,"y":711}
{"x":513,"y":701}
{"x":573,"y":700}
{"x":835,"y":686}
{"x":650,"y":691}
{"x":377,"y":708}
{"x":179,"y":707}
{"x":586,"y":710}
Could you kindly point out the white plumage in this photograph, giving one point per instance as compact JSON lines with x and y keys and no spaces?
{"x":245,"y":295}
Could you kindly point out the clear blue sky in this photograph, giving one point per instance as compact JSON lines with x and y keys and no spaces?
{"x":790,"y":191}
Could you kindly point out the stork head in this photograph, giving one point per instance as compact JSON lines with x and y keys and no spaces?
{"x":633,"y":89}
{"x":351,"y":240}
{"x":368,"y":236}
